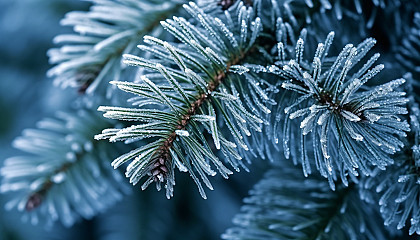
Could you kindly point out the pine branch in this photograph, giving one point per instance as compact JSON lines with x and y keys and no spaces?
{"x":408,"y":54}
{"x":66,"y":176}
{"x":103,"y":34}
{"x":398,"y":186}
{"x":332,"y":108}
{"x":286,"y":205}
{"x":201,"y":91}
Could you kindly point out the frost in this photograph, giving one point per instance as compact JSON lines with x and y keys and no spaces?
{"x":239,"y":69}
{"x":58,"y":178}
{"x":372,"y":117}
{"x":244,"y":31}
{"x":178,"y":163}
{"x":227,"y":32}
{"x":203,"y":118}
{"x":273,"y":69}
{"x":323,"y":117}
{"x":350,"y":116}
{"x":404,"y":178}
{"x":182,"y":133}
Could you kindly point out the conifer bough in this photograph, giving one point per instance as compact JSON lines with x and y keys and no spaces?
{"x":350,"y":127}
{"x":193,"y":85}
{"x":285,"y":205}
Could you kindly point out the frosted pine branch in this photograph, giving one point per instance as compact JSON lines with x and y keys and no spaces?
{"x":349,"y":127}
{"x":194,"y":80}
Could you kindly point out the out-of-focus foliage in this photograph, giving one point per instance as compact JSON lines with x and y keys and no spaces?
{"x":286,"y":205}
{"x":61,"y":178}
{"x":102,"y":35}
{"x":408,"y":55}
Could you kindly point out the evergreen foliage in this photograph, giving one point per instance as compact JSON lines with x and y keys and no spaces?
{"x":62,"y":178}
{"x":408,"y":55}
{"x":398,"y":186}
{"x":332,"y":109}
{"x":202,"y":87}
{"x":102,"y":34}
{"x":219,"y":86}
{"x":286,"y":205}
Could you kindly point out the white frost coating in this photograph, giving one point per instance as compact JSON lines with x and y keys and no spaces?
{"x":273,"y":69}
{"x":178,"y":163}
{"x":306,"y":75}
{"x":227,"y":32}
{"x":324,"y":140}
{"x":244,"y":32}
{"x":299,"y":113}
{"x":214,"y":56}
{"x":403,"y":178}
{"x":356,"y":136}
{"x":59,"y":177}
{"x":213,"y":128}
{"x":281,"y":52}
{"x":182,"y":133}
{"x":372,"y":117}
{"x":307,"y":123}
{"x":350,"y":116}
{"x":203,"y":118}
{"x":238,"y":69}
{"x":319,"y":50}
{"x":255,"y":29}
{"x":299,"y":50}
